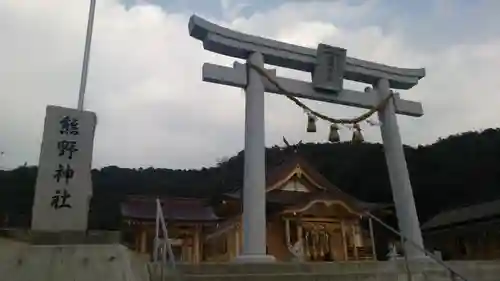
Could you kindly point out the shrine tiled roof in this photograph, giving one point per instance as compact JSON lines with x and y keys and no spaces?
{"x":463,"y":215}
{"x":277,"y":173}
{"x":178,"y":209}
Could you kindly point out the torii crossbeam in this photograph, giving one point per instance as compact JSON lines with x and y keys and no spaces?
{"x":257,"y":51}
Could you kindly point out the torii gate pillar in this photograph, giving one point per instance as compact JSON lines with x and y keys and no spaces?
{"x":399,"y":177}
{"x":254,"y":182}
{"x":328,"y":88}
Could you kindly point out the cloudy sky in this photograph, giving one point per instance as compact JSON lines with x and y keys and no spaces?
{"x":145,"y":72}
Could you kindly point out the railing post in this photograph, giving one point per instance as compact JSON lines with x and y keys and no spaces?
{"x":165,"y":245}
{"x":157,"y":233}
{"x":372,"y":238}
{"x":453,"y":273}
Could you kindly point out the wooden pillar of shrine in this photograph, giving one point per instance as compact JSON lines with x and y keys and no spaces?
{"x":354,"y":235}
{"x":196,"y":244}
{"x":300,"y":233}
{"x":237,"y":240}
{"x":344,"y":239}
{"x":137,"y":239}
{"x":143,"y":241}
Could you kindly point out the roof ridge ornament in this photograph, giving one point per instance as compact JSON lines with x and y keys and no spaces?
{"x":298,"y":171}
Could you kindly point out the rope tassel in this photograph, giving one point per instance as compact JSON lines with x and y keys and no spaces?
{"x":357,"y":136}
{"x":311,"y":123}
{"x":334,"y":133}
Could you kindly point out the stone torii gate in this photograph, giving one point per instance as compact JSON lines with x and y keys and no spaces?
{"x":329,"y":66}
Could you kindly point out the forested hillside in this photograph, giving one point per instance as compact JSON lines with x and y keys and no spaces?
{"x":455,"y":171}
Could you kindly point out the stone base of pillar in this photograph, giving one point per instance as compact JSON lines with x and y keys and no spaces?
{"x":415,"y":254}
{"x":254,"y":259}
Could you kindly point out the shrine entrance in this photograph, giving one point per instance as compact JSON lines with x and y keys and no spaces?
{"x":321,"y":239}
{"x":326,"y":231}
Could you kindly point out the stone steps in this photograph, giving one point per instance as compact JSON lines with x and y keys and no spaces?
{"x":324,"y":267}
{"x":347,"y":271}
{"x":437,"y":276}
{"x":311,"y":276}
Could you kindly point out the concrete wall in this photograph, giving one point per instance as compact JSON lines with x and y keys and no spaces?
{"x":25,"y":262}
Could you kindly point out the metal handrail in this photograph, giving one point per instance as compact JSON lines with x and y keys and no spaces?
{"x":165,"y":246}
{"x":425,"y":251}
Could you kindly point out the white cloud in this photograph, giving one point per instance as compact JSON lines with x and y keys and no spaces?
{"x":154,"y":110}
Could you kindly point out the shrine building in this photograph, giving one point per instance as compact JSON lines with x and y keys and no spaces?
{"x":467,"y":233}
{"x":306,"y":215}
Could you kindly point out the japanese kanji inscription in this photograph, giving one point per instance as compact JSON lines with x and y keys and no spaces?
{"x":64,"y":186}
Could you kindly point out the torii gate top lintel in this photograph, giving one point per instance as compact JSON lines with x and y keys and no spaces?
{"x":228,"y":42}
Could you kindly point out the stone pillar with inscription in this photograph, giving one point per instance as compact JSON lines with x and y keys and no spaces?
{"x":64,"y":185}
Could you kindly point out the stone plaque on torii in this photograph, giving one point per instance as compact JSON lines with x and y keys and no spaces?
{"x":328,"y":66}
